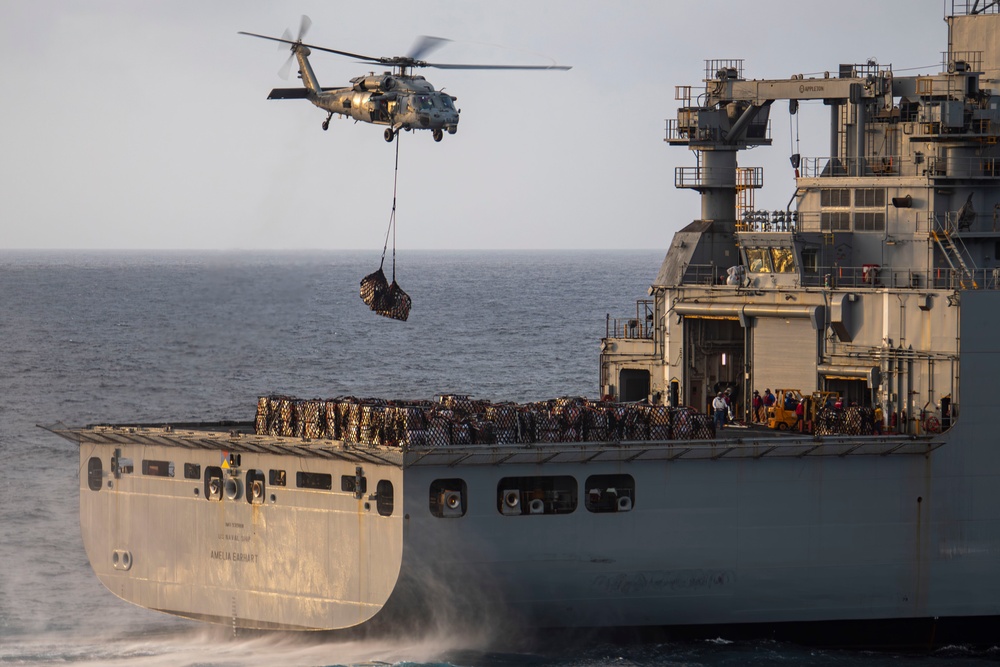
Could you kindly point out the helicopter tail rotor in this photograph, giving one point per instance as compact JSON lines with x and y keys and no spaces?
{"x":304,"y":24}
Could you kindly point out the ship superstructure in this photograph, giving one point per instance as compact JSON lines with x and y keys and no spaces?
{"x":855,"y":286}
{"x":877,"y":283}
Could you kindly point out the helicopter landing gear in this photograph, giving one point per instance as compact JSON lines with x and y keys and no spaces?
{"x":389,"y":135}
{"x":326,"y":123}
{"x":438,"y":134}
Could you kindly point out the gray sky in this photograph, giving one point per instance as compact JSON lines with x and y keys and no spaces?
{"x":145,"y":125}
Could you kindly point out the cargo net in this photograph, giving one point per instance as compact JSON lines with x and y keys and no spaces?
{"x":461,"y":420}
{"x":388,"y":300}
{"x":853,"y":420}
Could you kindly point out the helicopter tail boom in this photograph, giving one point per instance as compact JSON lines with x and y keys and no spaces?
{"x":305,"y":69}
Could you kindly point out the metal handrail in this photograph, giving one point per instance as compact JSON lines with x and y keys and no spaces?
{"x":895,"y":165}
{"x":639,"y":327}
{"x":871,"y":276}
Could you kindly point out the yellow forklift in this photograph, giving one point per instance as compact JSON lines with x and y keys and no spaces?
{"x":781,"y":415}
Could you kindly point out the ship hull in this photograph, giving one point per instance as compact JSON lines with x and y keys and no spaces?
{"x":759,"y":530}
{"x":299,"y":559}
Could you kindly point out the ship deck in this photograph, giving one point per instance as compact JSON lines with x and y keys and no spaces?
{"x":753,"y":442}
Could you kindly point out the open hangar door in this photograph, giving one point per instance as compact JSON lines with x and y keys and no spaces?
{"x":715,"y":349}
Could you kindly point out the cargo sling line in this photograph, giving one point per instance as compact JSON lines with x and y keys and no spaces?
{"x":385,"y":299}
{"x":392,"y":218}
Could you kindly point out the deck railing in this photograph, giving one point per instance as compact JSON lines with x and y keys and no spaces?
{"x":895,"y":165}
{"x":865,"y":276}
{"x":964,"y":7}
{"x":639,"y":327}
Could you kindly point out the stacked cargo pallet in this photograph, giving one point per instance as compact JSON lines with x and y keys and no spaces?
{"x":852,"y":420}
{"x":460,"y":420}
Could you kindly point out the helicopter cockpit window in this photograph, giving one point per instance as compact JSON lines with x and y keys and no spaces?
{"x":758,"y":260}
{"x":424,"y":102}
{"x":783,"y":259}
{"x":447,"y":103}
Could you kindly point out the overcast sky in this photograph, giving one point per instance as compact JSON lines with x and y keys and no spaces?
{"x":146,"y":125}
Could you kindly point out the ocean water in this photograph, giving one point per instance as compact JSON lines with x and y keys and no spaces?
{"x":155,"y":337}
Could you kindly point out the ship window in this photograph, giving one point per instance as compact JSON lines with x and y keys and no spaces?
{"x":869,"y":221}
{"x":835,"y":197}
{"x":869,"y":198}
{"x":383,"y":497}
{"x":809,"y":260}
{"x":783,"y":260}
{"x":277,"y":478}
{"x":157,"y":468}
{"x":192,"y":471}
{"x":836,"y":221}
{"x":348,"y":483}
{"x":95,"y":473}
{"x":448,"y":498}
{"x":536,"y":495}
{"x":314,"y":480}
{"x":758,"y":260}
{"x":610,"y":493}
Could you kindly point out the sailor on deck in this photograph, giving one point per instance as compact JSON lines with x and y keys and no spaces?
{"x":720,"y":407}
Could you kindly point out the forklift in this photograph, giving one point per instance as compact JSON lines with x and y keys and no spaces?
{"x":781,"y":415}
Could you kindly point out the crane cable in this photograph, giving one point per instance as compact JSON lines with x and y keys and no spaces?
{"x":793,"y":135}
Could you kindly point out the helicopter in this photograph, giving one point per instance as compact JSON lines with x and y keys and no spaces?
{"x":398,"y":98}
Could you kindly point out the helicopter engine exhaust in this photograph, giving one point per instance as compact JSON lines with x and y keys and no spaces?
{"x":375,"y":84}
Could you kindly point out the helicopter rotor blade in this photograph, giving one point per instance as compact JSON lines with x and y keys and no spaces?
{"x":424,"y":45}
{"x":369,"y":59}
{"x":304,"y":24}
{"x":286,"y":67}
{"x":462,"y":66}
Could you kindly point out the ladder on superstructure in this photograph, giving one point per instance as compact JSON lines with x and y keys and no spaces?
{"x":744,"y":200}
{"x":942,"y":236}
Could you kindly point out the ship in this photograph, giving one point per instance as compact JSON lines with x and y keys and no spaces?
{"x":871,"y":299}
